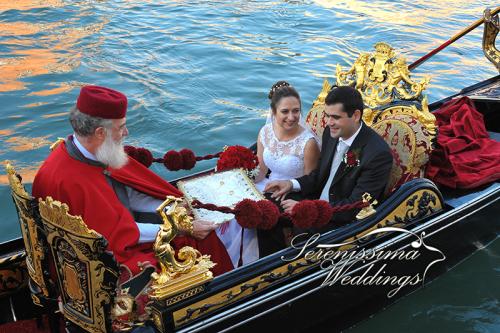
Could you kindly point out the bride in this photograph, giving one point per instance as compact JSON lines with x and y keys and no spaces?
{"x":287,"y":147}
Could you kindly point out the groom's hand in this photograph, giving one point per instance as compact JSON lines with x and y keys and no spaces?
{"x":288,"y":205}
{"x":279,"y":188}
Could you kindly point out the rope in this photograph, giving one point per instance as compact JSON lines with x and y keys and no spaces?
{"x":228,"y":210}
{"x":222,"y":209}
{"x":208,"y":157}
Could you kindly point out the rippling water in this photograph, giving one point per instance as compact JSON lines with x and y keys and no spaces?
{"x":197,"y":75}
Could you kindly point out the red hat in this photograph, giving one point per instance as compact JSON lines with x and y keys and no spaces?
{"x":102,"y":102}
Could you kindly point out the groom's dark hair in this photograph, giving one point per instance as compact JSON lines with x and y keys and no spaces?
{"x":349,"y":97}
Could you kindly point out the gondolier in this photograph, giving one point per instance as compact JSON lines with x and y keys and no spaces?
{"x":92,"y":174}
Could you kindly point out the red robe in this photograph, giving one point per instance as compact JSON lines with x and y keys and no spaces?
{"x":86,"y":191}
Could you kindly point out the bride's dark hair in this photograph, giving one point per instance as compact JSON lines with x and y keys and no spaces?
{"x":280,"y":90}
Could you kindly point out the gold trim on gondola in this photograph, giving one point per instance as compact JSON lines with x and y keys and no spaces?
{"x":191,"y":270}
{"x":240,"y":291}
{"x":58,"y":214}
{"x":417,"y":205}
{"x":381,"y":77}
{"x":491,"y":29}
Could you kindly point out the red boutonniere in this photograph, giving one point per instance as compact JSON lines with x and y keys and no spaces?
{"x":351,"y":158}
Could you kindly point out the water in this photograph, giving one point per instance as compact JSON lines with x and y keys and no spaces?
{"x":197,"y":74}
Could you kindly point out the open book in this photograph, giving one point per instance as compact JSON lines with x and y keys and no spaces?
{"x":225,"y":188}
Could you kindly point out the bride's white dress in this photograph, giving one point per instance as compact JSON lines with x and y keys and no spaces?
{"x":286,"y":160}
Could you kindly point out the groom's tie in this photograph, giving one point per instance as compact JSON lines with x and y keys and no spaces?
{"x":342,"y":147}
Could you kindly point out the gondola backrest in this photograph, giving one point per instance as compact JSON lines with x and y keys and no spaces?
{"x":410,"y":143}
{"x":42,"y":291}
{"x":87,"y":274}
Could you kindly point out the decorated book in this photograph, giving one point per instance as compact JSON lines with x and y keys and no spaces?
{"x":225,"y":188}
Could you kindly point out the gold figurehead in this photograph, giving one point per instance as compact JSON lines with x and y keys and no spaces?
{"x":192,"y":268}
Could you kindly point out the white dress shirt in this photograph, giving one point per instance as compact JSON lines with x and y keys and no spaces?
{"x":348,"y":143}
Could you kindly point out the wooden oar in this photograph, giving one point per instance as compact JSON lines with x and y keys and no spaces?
{"x":451,"y":40}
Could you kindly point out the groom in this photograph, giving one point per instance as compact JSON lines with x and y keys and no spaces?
{"x":354,"y":159}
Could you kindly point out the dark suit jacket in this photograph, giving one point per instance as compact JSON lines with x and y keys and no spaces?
{"x":349,"y":183}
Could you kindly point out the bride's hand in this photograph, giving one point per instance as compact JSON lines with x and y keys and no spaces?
{"x":288,"y":205}
{"x":279,"y":188}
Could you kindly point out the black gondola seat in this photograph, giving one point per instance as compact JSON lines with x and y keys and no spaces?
{"x":42,"y":288}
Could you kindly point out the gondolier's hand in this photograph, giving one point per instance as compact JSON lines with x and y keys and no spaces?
{"x":279,"y":188}
{"x":202,"y":228}
{"x":288,"y":205}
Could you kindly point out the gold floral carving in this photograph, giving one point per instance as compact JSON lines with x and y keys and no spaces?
{"x":424,"y":116}
{"x":191,"y":269}
{"x":381,"y":77}
{"x":240,"y":291}
{"x":491,"y":29}
{"x":35,"y":253}
{"x":157,"y":321}
{"x":15,"y":183}
{"x":58,"y":214}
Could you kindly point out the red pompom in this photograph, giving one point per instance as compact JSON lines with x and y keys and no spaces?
{"x":130,"y":150}
{"x":172,"y":160}
{"x":324,"y":213}
{"x":188,"y":159}
{"x":304,"y":214}
{"x":270,"y":214}
{"x":248,"y":213}
{"x":145,"y":157}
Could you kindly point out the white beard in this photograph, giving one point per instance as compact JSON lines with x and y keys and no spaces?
{"x":111,"y":153}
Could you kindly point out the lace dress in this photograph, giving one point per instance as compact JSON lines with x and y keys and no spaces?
{"x":285,"y":159}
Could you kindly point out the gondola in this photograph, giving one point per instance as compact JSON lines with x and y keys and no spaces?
{"x":417,"y":233}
